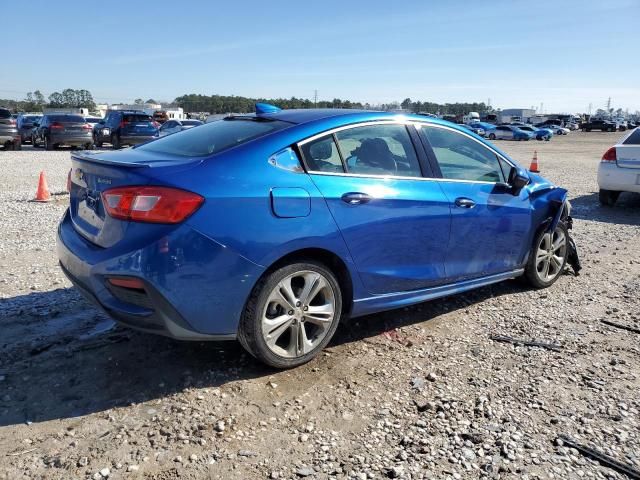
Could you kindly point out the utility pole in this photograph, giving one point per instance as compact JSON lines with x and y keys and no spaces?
{"x":609,"y":104}
{"x":315,"y":98}
{"x":590,"y":107}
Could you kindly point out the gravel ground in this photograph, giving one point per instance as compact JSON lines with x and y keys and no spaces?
{"x":415,"y":393}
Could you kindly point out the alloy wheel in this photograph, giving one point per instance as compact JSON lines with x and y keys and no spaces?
{"x":298,"y":314}
{"x":550,"y":255}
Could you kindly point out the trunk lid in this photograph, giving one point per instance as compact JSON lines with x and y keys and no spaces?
{"x":94,"y":173}
{"x":628,"y":156}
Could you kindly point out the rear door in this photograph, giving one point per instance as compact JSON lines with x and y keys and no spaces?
{"x":490,"y":227}
{"x":628,"y":152}
{"x":504,"y":133}
{"x":394,"y":220}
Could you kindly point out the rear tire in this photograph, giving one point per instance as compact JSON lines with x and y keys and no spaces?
{"x":87,"y":146}
{"x":115,"y":142}
{"x":278,"y":326}
{"x":47,"y":143}
{"x":548,"y":257}
{"x":96,"y":142}
{"x":608,"y":198}
{"x":17,"y":146}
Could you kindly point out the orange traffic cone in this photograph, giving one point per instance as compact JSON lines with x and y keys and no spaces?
{"x":42,"y":195}
{"x":534,"y":163}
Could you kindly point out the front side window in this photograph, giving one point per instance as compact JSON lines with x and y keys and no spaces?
{"x":462,"y":158}
{"x":379,"y":150}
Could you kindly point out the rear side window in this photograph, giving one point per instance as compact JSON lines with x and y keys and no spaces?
{"x":634,"y":138}
{"x":462,"y":158}
{"x":213,"y":137}
{"x":379,"y":150}
{"x":322,"y":155}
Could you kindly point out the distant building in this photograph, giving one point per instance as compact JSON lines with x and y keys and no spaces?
{"x":516,"y":115}
{"x":148,"y":108}
{"x":73,"y":111}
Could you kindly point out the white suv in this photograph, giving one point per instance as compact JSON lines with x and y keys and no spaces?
{"x":619,"y":169}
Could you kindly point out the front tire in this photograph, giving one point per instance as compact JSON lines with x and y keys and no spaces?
{"x":548,"y":257}
{"x":291,"y":315}
{"x":492,"y":136}
{"x":115,"y":142}
{"x":608,"y":198}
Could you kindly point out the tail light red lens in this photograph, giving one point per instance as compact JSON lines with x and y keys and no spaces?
{"x":151,"y":204}
{"x":609,"y":155}
{"x":57,"y":126}
{"x":126,"y":282}
{"x":123,"y":123}
{"x":155,"y":124}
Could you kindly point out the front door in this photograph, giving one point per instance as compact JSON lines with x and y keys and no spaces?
{"x":394,"y":221}
{"x":490,"y":227}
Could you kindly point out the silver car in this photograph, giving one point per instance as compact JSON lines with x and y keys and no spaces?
{"x":174,"y":126}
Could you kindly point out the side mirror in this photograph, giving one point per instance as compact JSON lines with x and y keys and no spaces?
{"x":518,"y":179}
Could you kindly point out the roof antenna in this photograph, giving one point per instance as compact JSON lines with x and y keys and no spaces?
{"x":265,"y":108}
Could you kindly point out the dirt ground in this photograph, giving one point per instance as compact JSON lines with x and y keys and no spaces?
{"x":421,"y":392}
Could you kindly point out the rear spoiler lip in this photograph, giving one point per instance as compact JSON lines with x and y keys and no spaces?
{"x":101,"y":161}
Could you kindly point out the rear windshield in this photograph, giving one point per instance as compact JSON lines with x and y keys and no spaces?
{"x":137,"y":118}
{"x":30,"y":118}
{"x":93,"y":119}
{"x":213,"y":137}
{"x":634,"y":138}
{"x":67,"y":118}
{"x":4,"y":113}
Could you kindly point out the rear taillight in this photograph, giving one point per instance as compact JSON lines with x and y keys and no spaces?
{"x":150,"y":204}
{"x":609,"y":155}
{"x":12,"y":122}
{"x":69,"y":181}
{"x":86,"y":126}
{"x":126,"y":282}
{"x":155,"y":124}
{"x":57,"y":126}
{"x":123,"y":123}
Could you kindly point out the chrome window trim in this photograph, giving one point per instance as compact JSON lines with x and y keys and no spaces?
{"x":418,"y":125}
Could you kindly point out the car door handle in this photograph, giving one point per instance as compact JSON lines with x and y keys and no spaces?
{"x":355,"y":198}
{"x":465,"y":202}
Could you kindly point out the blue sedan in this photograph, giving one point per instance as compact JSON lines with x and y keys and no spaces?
{"x":273,"y":227}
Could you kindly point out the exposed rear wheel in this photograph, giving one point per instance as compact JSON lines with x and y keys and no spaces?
{"x":548,"y":257}
{"x":492,"y":136}
{"x":115,"y":142}
{"x":608,"y":198}
{"x":291,"y":315}
{"x":47,"y":143}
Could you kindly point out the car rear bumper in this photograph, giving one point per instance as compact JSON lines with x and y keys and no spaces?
{"x":4,"y":138}
{"x":612,"y":177}
{"x":136,"y":139}
{"x":71,"y":139}
{"x":194,"y":288}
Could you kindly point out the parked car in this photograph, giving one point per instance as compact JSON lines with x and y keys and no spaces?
{"x":25,"y":125}
{"x":9,"y":135}
{"x":602,"y":125}
{"x":57,"y":129}
{"x":509,"y":132}
{"x":619,"y":169}
{"x":538,"y":133}
{"x":477,"y":130}
{"x":556,"y":129}
{"x":93,"y":121}
{"x":124,"y":127}
{"x":286,"y":222}
{"x":174,"y":126}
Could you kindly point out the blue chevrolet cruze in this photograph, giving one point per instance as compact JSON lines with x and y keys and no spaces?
{"x":272,"y":227}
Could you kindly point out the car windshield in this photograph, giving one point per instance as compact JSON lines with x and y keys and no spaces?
{"x":67,"y":118}
{"x":214,"y":137}
{"x":4,"y":113}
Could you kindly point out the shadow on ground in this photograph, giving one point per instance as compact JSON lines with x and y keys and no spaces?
{"x":625,"y":212}
{"x":62,"y":358}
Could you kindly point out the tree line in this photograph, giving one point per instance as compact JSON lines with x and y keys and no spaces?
{"x":35,"y":101}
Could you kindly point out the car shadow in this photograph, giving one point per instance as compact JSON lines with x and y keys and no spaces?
{"x":62,"y":358}
{"x":625,"y":212}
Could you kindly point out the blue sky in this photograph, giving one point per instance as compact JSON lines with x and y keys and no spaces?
{"x":564,"y":54}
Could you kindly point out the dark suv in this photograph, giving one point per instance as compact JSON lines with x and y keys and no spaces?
{"x":603,"y":125}
{"x":125,"y":127}
{"x":9,"y":136}
{"x":55,"y":129}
